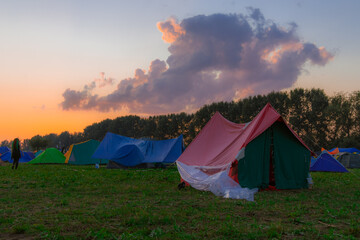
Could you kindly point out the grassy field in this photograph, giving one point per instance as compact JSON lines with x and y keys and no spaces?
{"x":72,"y":202}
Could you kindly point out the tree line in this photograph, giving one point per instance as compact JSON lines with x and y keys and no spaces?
{"x":320,"y":120}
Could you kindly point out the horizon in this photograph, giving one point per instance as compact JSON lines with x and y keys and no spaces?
{"x":148,"y":116}
{"x":69,"y":64}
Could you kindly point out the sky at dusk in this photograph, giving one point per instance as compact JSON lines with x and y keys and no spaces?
{"x":67,"y":64}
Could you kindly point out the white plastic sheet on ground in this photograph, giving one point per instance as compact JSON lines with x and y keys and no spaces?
{"x":215,"y":180}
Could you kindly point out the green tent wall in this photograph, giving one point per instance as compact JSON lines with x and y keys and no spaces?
{"x":80,"y":154}
{"x":291,"y":160}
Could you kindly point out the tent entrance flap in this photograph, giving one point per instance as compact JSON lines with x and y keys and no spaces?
{"x":272,"y":181}
{"x":253,"y":169}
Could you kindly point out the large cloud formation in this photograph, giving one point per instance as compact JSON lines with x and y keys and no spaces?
{"x":220,"y":57}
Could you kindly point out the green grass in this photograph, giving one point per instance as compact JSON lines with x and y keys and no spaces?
{"x":73,"y":202}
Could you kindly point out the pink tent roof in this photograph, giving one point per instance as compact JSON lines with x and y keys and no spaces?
{"x":220,"y":140}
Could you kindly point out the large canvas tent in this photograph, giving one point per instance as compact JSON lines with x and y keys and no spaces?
{"x":132,"y":152}
{"x":326,"y":163}
{"x":265,"y":151}
{"x":81,"y":153}
{"x":50,"y":155}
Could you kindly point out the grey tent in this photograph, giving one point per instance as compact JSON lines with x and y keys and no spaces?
{"x":349,"y":160}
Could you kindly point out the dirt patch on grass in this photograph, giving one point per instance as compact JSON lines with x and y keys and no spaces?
{"x":2,"y":163}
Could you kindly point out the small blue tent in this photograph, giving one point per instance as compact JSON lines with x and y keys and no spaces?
{"x":326,"y":163}
{"x":131,"y":152}
{"x":4,"y":149}
{"x":25,"y":157}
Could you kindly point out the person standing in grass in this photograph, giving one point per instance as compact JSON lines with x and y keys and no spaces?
{"x":15,"y":153}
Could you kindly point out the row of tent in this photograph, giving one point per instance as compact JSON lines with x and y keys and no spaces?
{"x":121,"y":151}
{"x":336,"y":160}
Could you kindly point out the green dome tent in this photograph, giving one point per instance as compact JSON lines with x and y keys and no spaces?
{"x":50,"y":155}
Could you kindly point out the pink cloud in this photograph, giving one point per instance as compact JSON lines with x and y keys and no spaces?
{"x":220,"y":57}
{"x":170,"y":29}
